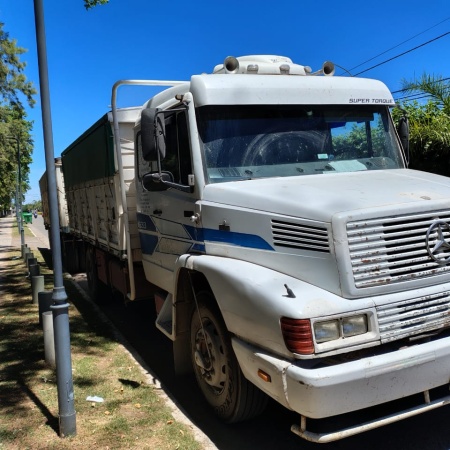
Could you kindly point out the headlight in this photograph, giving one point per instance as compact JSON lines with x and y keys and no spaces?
{"x":326,"y":331}
{"x":351,"y":326}
{"x":344,"y":327}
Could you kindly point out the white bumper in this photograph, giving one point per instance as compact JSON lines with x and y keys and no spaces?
{"x":338,"y":389}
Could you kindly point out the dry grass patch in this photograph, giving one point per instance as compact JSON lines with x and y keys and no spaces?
{"x":133,"y":414}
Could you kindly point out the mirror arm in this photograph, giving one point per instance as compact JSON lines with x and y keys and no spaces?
{"x":179,"y":187}
{"x":158,"y":178}
{"x":404,"y":137}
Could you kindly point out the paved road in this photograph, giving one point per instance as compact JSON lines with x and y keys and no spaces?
{"x":38,"y":230}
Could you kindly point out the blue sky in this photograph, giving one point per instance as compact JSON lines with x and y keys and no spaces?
{"x":88,"y":51}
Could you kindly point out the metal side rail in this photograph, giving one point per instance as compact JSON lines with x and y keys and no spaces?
{"x":323,"y":438}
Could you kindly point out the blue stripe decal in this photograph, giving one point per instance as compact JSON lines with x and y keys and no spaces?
{"x":195,"y":233}
{"x":148,"y":243}
{"x":198,"y":248}
{"x":198,"y":236}
{"x":145,"y":222}
{"x":240,"y":239}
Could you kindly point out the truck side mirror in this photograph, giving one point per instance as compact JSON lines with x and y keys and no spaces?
{"x":403,"y":133}
{"x":155,"y":181}
{"x":153,"y":134}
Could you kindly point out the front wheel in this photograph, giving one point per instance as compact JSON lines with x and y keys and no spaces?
{"x":216,"y":368}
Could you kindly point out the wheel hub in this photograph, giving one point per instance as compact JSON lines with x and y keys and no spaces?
{"x":209,"y":356}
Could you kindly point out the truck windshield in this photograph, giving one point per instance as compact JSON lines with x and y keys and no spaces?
{"x":246,"y":142}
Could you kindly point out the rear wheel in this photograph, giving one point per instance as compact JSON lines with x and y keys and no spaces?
{"x":216,"y":368}
{"x":70,"y":257}
{"x":98,"y":291}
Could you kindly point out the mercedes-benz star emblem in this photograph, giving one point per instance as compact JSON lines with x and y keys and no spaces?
{"x":438,"y":242}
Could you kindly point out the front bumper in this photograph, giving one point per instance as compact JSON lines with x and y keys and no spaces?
{"x":350,"y":386}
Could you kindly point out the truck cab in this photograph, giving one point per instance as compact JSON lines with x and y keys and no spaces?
{"x":295,"y":254}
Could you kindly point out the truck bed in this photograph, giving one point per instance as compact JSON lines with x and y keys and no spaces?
{"x":61,"y":196}
{"x":92,"y":182}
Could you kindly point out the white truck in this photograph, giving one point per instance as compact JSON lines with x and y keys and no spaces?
{"x":293,"y":254}
{"x":61,"y":196}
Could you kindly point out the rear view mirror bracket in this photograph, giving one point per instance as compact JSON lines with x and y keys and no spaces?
{"x":403,"y":133}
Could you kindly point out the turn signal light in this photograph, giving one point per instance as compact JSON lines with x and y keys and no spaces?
{"x":297,"y":335}
{"x":264,"y":376}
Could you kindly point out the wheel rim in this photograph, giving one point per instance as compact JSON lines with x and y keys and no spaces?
{"x":210,"y":358}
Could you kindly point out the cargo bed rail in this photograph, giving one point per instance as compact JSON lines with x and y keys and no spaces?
{"x":129,"y":253}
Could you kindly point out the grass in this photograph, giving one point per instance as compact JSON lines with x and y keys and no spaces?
{"x":133,"y":414}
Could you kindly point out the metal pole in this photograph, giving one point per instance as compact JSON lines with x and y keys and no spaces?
{"x":60,"y":308}
{"x":19,"y":192}
{"x":22,"y":234}
{"x":17,"y":201}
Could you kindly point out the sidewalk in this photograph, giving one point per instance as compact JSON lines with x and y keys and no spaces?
{"x":6,"y":225}
{"x":35,"y":237}
{"x":8,"y":241}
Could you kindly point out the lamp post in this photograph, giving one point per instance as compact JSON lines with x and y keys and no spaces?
{"x":19,"y":192}
{"x":60,"y":307}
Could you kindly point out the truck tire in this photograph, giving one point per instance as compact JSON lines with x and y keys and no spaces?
{"x":70,"y":256}
{"x":98,"y":291}
{"x":216,"y":369}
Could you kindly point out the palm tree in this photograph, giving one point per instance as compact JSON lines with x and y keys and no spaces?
{"x":434,"y":86}
{"x":429,"y":123}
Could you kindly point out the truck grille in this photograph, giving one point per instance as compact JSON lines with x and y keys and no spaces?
{"x":300,"y":236}
{"x":393,"y":249}
{"x":414,"y":316}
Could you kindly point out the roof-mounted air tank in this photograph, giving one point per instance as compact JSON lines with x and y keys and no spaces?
{"x":269,"y":65}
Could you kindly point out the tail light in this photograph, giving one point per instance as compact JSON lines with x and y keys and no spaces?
{"x":297,"y":335}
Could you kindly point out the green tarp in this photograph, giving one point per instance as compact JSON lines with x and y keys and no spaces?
{"x":91,"y":156}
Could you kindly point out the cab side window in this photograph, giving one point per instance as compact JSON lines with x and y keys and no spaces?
{"x":141,"y":164}
{"x":178,"y":155}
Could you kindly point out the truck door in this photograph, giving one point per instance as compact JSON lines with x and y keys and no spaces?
{"x":164,"y":217}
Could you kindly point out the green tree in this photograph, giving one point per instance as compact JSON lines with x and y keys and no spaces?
{"x":88,"y":4}
{"x":429,"y":123}
{"x":15,"y":130}
{"x":12,"y":78}
{"x":34,"y":205}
